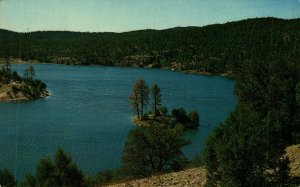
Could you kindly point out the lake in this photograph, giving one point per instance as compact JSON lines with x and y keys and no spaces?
{"x":89,"y":115}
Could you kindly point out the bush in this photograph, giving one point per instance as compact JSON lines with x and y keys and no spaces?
{"x":7,"y":179}
{"x":194,"y":116}
{"x":180,"y":115}
{"x":15,"y":76}
{"x":195,"y":162}
{"x":15,"y":89}
{"x":104,"y":177}
{"x":163,"y":110}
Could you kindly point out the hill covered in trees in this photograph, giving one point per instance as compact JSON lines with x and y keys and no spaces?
{"x":219,"y":48}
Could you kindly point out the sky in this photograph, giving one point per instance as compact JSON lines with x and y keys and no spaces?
{"x":127,"y":15}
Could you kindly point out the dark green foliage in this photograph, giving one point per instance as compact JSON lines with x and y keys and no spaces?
{"x":194,"y":116}
{"x":195,"y":162}
{"x":15,"y":89}
{"x":246,"y":151}
{"x":298,"y":94}
{"x":29,"y":181}
{"x":180,"y":115}
{"x":15,"y":76}
{"x":33,"y":88}
{"x":29,"y":72}
{"x":154,"y":149}
{"x":216,"y":48}
{"x":163,"y":110}
{"x":270,"y":88}
{"x":7,"y":179}
{"x":6,"y":75}
{"x":7,"y":65}
{"x":190,"y":121}
{"x":156,"y":99}
{"x":61,"y":171}
{"x":104,"y":177}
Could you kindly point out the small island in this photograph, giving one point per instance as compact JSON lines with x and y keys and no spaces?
{"x":158,"y":114}
{"x":14,"y":87}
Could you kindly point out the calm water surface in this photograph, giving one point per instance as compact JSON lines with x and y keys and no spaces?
{"x":89,"y":115}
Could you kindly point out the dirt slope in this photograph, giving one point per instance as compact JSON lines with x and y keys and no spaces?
{"x":196,"y":176}
{"x":189,"y":177}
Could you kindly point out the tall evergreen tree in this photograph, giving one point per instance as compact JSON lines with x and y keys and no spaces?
{"x":60,"y":172}
{"x":298,"y":94}
{"x":7,"y":179}
{"x":31,"y":72}
{"x":139,"y":98}
{"x":134,"y":99}
{"x":7,"y":65}
{"x":156,"y":99}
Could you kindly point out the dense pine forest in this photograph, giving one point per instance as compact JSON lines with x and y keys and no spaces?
{"x":220,"y":48}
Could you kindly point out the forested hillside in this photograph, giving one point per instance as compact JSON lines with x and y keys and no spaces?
{"x":216,"y":48}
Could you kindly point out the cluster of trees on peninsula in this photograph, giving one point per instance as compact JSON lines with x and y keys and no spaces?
{"x":218,"y":48}
{"x":17,"y":87}
{"x":140,"y":99}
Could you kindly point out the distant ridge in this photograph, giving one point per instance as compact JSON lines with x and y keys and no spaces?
{"x":215,"y":49}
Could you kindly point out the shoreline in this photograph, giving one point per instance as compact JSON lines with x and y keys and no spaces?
{"x":192,"y":71}
{"x":23,"y":98}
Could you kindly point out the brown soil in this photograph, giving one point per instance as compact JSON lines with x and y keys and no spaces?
{"x":190,"y":177}
{"x":197,"y":176}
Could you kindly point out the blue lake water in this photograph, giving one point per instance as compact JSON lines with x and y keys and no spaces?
{"x":88,"y":114}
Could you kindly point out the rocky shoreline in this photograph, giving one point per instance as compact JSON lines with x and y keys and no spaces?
{"x":175,"y":69}
{"x":13,"y":92}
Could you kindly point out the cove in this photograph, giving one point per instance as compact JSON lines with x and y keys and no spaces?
{"x":89,"y":115}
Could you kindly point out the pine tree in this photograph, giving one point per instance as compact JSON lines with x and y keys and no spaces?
{"x":240,"y":151}
{"x":139,"y":98}
{"x":156,"y":99}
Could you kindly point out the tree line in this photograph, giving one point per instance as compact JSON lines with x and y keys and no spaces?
{"x":219,"y":48}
